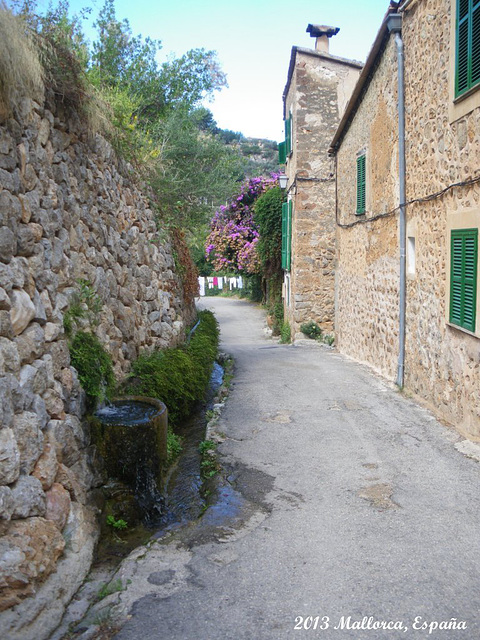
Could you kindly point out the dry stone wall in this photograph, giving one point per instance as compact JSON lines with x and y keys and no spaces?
{"x":68,"y":210}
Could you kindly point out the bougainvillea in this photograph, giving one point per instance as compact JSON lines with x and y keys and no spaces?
{"x":232,"y":242}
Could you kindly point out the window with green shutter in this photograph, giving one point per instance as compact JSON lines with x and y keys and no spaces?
{"x":282,"y":153}
{"x":467,"y":61}
{"x":286,"y":235}
{"x":463,"y":277}
{"x":289,"y":235}
{"x":361,"y":184}
{"x":288,"y":136}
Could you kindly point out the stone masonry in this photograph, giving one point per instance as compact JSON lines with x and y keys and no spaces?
{"x":69,"y":210}
{"x":317,"y":90}
{"x":442,"y":361}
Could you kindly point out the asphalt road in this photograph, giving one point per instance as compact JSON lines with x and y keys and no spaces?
{"x":347,"y":511}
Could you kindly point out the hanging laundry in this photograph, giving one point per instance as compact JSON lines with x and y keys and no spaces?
{"x":201,"y":284}
{"x":240,"y":282}
{"x":215,"y":281}
{"x":220,"y":283}
{"x":210,"y":282}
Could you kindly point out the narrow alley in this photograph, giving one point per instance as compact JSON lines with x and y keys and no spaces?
{"x":353,"y":515}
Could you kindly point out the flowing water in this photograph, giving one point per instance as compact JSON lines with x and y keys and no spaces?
{"x":183,"y":498}
{"x":148,"y":510}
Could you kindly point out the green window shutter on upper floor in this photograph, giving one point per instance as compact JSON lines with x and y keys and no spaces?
{"x":288,"y":136}
{"x":463,"y":278}
{"x":282,"y":153}
{"x":361,"y":184}
{"x":467,"y":62}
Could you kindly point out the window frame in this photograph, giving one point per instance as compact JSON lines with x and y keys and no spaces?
{"x":467,"y":47}
{"x":287,"y":209}
{"x":463,"y":286}
{"x":361,"y":184}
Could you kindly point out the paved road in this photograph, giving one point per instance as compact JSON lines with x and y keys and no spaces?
{"x":346,"y":501}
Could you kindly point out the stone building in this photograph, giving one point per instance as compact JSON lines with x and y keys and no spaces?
{"x":416,"y":318}
{"x":317,"y":90}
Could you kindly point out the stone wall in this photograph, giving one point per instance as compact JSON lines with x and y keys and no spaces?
{"x":442,"y":361}
{"x":366,"y":324}
{"x":319,"y":88}
{"x":68,"y":210}
{"x":442,"y":149}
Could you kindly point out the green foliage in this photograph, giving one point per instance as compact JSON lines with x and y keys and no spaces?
{"x":207,"y":445}
{"x":285,"y":333}
{"x":94,"y":366}
{"x":276,"y":311}
{"x":119,"y":524}
{"x":311,"y":329}
{"x":268,"y":216}
{"x":21,"y":71}
{"x":174,"y":446}
{"x":85,"y":305}
{"x":178,"y":377}
{"x":112,"y":587}
{"x":329,"y":339}
{"x":209,"y":466}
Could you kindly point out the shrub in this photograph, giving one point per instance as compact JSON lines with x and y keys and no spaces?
{"x":178,"y":377}
{"x":21,"y":72}
{"x":311,"y":329}
{"x":285,"y":333}
{"x":94,"y":366}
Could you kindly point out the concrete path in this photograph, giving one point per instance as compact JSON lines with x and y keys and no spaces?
{"x":348,"y":511}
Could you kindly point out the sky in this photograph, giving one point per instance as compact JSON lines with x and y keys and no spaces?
{"x":253,"y":40}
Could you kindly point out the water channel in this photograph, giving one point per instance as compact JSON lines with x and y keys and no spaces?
{"x":151,"y":512}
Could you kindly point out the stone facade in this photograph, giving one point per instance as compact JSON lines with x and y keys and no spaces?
{"x":68,"y":210}
{"x":367,"y":270}
{"x":317,"y":90}
{"x":442,"y":150}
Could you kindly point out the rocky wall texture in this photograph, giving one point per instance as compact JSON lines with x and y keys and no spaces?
{"x":317,"y":95}
{"x":68,"y":210}
{"x":442,"y":362}
{"x":366,"y":322}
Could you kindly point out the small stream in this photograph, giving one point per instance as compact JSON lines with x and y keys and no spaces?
{"x":181,"y":500}
{"x":182,"y":495}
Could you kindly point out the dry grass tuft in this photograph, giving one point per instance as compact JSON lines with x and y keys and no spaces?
{"x":21,"y":74}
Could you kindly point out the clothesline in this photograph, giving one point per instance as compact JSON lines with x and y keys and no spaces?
{"x":219,"y":282}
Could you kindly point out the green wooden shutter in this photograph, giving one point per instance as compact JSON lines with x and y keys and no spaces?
{"x":463,"y":277}
{"x":282,"y":153}
{"x":289,"y":235}
{"x":467,"y":63}
{"x":288,"y":136}
{"x":361,"y":184}
{"x":284,"y":234}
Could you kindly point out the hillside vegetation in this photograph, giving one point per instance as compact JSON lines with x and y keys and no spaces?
{"x":152,"y":113}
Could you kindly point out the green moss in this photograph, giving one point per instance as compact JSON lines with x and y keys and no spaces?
{"x":94,"y":366}
{"x":285,"y":334}
{"x":178,"y":377}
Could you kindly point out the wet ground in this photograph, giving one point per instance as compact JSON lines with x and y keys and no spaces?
{"x":345,"y":511}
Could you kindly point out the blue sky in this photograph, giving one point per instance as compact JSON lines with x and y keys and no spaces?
{"x":253,"y":39}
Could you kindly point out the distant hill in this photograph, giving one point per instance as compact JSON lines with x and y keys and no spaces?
{"x":261,"y":154}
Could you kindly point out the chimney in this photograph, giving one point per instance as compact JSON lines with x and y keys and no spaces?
{"x":322,"y":33}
